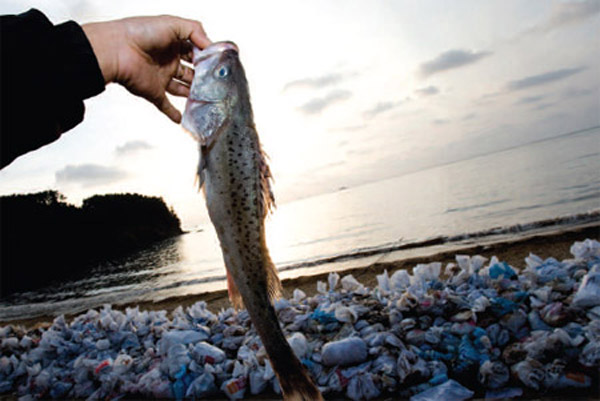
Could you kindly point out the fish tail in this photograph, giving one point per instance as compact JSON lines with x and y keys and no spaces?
{"x":295,"y":383}
{"x":299,"y":387}
{"x":273,"y":283}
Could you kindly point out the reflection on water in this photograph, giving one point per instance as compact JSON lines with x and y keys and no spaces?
{"x":144,"y":268}
{"x":534,"y":182}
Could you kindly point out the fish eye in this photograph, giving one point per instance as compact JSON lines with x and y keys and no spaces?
{"x":222,"y":71}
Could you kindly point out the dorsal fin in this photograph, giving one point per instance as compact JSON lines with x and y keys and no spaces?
{"x":267,"y":196}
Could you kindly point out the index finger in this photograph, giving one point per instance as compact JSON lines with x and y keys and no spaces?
{"x":192,"y":30}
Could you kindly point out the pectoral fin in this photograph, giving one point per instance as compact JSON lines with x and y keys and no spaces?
{"x":200,"y":174}
{"x":234,"y":295}
{"x":203,"y":120}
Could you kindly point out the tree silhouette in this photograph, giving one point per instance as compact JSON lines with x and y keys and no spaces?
{"x":43,"y":238}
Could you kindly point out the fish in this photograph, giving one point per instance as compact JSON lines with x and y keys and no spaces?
{"x":234,"y":174}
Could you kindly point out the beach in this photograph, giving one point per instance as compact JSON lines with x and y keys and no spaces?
{"x":172,"y":323}
{"x":550,"y":243}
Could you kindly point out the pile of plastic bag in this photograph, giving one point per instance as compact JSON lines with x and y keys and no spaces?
{"x":474,"y":328}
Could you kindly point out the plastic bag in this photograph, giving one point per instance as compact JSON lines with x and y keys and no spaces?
{"x":350,"y":284}
{"x":426,"y":272}
{"x":346,"y":314}
{"x":299,"y":344}
{"x":399,"y":280}
{"x":183,"y":337}
{"x":588,"y":294}
{"x":383,"y":282}
{"x":362,"y":387}
{"x":235,"y":388}
{"x":590,"y":355}
{"x":493,"y":375}
{"x":530,"y":372}
{"x":333,"y":280}
{"x":586,"y":249}
{"x":298,"y":295}
{"x":349,"y":351}
{"x":448,"y":391}
{"x":202,"y":386}
{"x":204,"y":352}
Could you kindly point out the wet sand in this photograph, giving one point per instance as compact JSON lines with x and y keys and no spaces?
{"x":512,"y":250}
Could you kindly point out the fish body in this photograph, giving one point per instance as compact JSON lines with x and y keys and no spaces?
{"x":236,"y":179}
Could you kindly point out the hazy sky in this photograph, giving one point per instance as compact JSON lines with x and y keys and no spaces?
{"x":344,"y":92}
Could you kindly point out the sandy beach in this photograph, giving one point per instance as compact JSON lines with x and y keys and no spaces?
{"x":512,"y":250}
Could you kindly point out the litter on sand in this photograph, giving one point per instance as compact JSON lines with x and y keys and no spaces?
{"x":475,"y":328}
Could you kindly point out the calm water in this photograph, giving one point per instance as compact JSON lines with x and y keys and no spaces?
{"x":539,"y":181}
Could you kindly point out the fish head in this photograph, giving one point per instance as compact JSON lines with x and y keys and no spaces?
{"x":218,"y":88}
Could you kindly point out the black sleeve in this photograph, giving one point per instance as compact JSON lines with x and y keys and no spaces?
{"x":45,"y":73}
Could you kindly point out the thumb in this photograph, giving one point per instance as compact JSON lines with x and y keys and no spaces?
{"x":168,"y":109}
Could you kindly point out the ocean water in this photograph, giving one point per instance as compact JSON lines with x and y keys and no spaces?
{"x":517,"y":189}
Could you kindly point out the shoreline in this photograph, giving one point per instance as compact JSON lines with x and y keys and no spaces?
{"x":513,"y":250}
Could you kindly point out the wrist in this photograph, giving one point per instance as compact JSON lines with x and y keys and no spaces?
{"x":104,"y":39}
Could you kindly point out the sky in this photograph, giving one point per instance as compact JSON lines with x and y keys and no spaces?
{"x":344,"y":93}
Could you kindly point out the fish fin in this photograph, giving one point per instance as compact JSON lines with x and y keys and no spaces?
{"x":267,"y":196}
{"x":201,"y":166}
{"x":273,"y":283}
{"x":234,"y":295}
{"x":299,"y":387}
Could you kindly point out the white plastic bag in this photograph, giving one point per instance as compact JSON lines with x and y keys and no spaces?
{"x":588,"y":294}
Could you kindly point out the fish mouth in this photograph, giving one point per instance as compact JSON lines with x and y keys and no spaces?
{"x":201,"y":102}
{"x":214,"y":49}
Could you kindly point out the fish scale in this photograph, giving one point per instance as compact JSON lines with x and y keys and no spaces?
{"x":236,"y":179}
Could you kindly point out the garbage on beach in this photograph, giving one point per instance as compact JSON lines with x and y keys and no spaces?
{"x":474,"y":328}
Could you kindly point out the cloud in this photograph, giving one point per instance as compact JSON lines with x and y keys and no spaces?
{"x":567,"y":13}
{"x":577,"y":92}
{"x":89,"y":175}
{"x":315,"y":82}
{"x":542,"y":79}
{"x":132,"y":147}
{"x":543,"y":106}
{"x":451,"y":59}
{"x":440,"y":121}
{"x":530,"y":99}
{"x":349,"y":128}
{"x":428,"y":91}
{"x":382,"y":107}
{"x":318,"y":104}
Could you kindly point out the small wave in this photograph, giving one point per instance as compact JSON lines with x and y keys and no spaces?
{"x":478,"y":206}
{"x":563,"y":221}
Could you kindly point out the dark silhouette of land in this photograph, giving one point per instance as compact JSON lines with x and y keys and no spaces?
{"x":43,"y":238}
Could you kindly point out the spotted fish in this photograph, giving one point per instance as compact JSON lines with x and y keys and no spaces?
{"x":234,"y":173}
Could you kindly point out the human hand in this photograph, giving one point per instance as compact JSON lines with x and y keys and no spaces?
{"x":144,"y":55}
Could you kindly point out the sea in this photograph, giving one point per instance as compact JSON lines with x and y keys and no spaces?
{"x":548,"y":184}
